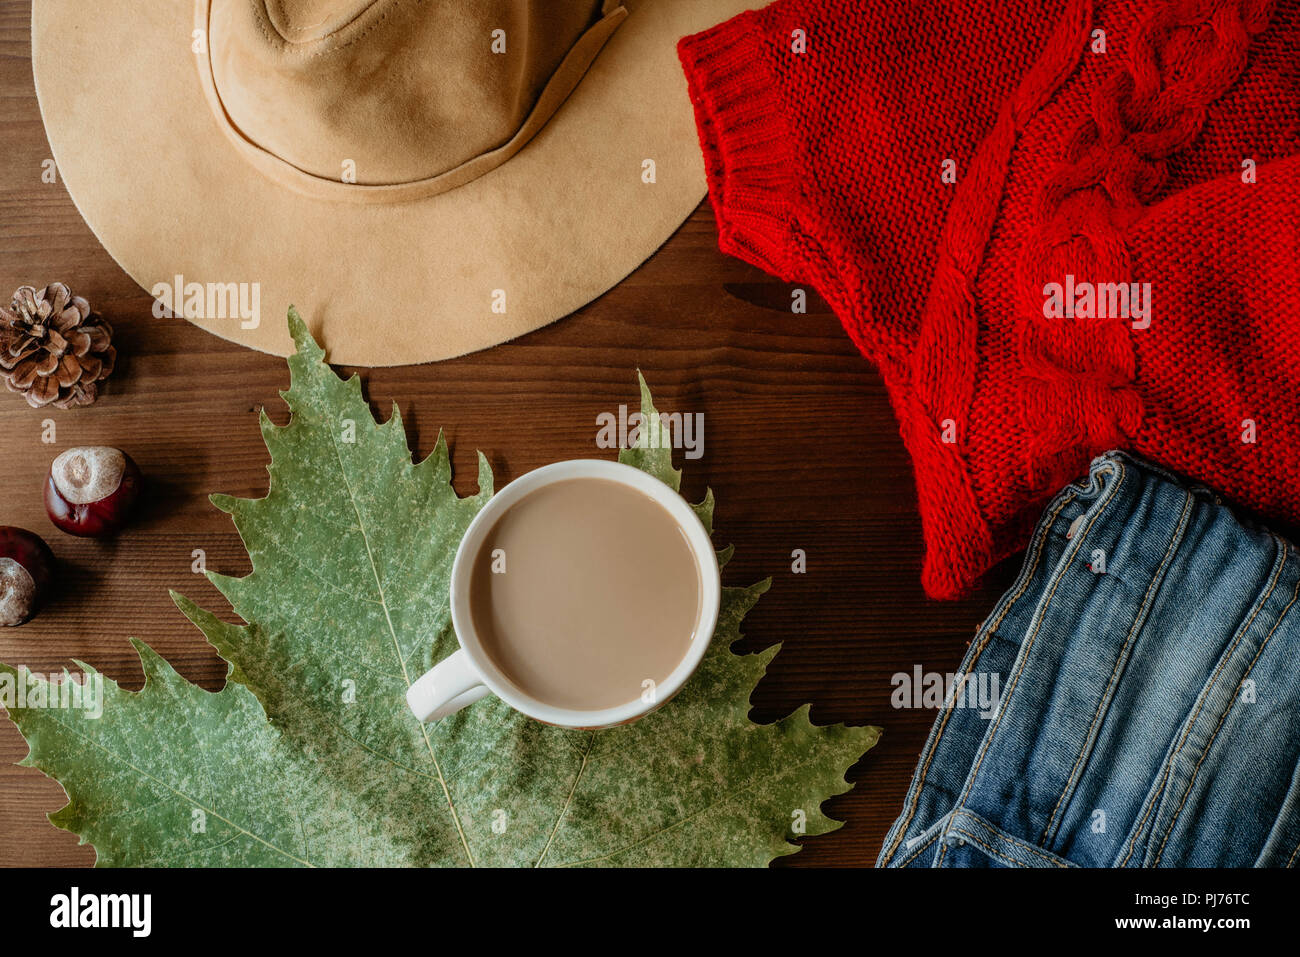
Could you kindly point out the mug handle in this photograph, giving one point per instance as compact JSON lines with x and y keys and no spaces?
{"x":444,"y":689}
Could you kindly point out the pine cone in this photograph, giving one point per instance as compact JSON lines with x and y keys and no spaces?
{"x":53,"y":349}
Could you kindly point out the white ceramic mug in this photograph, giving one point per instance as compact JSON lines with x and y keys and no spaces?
{"x":469,"y":674}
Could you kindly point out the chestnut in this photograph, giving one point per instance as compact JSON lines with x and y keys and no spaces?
{"x":90,"y":490}
{"x":26,"y":574}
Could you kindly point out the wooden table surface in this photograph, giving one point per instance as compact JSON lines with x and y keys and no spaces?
{"x":801,"y":449}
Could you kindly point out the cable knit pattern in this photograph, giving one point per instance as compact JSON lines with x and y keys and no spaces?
{"x":1078,"y":374}
{"x":825,"y":128}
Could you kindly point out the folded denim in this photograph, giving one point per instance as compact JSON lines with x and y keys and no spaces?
{"x":1148,"y":657}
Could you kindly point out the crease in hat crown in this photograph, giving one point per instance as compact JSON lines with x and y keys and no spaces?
{"x":391,"y":100}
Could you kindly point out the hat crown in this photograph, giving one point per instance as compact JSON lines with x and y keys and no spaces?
{"x":300,"y":21}
{"x":392,"y":92}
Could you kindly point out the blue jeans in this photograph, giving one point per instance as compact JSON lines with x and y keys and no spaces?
{"x":1148,"y":660}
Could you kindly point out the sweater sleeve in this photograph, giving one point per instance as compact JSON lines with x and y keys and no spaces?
{"x":834,"y":136}
{"x":745,"y":139}
{"x":794,"y":107}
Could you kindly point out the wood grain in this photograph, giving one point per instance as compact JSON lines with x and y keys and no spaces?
{"x":801,"y":449}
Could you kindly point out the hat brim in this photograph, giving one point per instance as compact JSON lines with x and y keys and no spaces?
{"x":565,"y":219}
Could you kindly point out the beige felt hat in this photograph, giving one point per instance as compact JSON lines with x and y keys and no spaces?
{"x":422,"y":178}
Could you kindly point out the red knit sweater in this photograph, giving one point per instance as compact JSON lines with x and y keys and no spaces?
{"x":1169,"y":159}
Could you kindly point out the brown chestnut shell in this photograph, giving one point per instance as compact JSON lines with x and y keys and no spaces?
{"x":100,"y":519}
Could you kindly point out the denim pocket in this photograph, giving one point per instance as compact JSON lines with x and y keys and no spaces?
{"x":972,"y":841}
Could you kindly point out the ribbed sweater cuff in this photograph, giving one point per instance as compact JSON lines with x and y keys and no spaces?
{"x":746,"y":142}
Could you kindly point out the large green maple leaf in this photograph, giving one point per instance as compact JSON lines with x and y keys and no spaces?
{"x":346,"y":605}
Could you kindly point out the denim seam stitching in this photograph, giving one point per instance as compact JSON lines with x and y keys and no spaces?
{"x":998,"y":854}
{"x":995,"y":853}
{"x":1191,"y":783}
{"x":1066,"y":560}
{"x":988,"y":635}
{"x":1158,"y":796}
{"x":917,"y":853}
{"x":1120,"y":660}
{"x":1038,"y":852}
